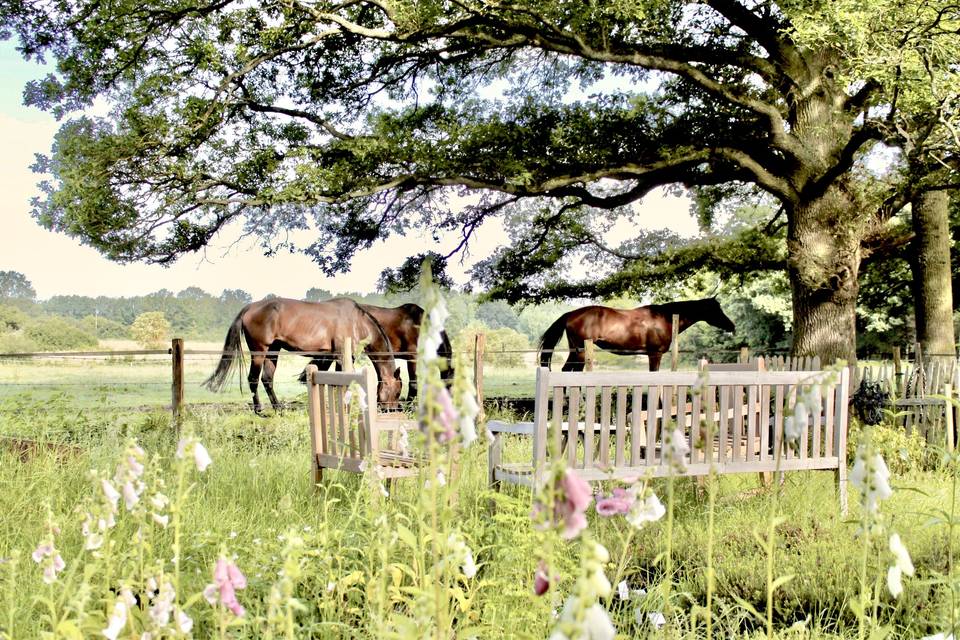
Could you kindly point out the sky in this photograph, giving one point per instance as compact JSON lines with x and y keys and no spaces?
{"x":59,"y":265}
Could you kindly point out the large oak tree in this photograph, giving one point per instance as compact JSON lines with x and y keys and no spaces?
{"x":360,"y":118}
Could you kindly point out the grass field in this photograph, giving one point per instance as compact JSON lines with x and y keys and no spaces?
{"x":345,"y":563}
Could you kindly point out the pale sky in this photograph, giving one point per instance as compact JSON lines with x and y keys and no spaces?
{"x":58,"y":265}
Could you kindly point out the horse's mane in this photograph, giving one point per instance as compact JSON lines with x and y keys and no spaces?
{"x":376,"y":323}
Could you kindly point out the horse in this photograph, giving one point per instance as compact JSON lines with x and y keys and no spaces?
{"x":402,"y":326}
{"x":281,"y":323}
{"x":627,"y":331}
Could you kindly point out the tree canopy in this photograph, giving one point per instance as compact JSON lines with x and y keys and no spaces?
{"x":362,"y":118}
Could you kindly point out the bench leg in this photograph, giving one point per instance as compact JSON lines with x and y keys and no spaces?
{"x":841,"y":478}
{"x":494,"y":450}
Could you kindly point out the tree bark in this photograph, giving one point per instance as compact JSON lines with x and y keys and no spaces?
{"x":824,"y":247}
{"x":932,"y":286}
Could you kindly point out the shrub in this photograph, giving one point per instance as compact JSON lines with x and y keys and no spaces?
{"x":11,"y":318}
{"x":58,"y":334}
{"x":150,"y":329}
{"x":902,"y":452}
{"x":17,"y":343}
{"x":104,"y":327}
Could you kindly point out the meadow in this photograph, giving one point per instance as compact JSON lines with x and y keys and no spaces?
{"x":345,"y":561}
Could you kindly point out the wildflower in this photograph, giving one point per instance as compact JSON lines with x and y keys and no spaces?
{"x":361,"y":396}
{"x":469,"y":410}
{"x":162,"y":607}
{"x":894,"y":581}
{"x":227,"y":578}
{"x":200,"y":455}
{"x":582,"y":616}
{"x":902,"y":555}
{"x":111,"y":493}
{"x":619,"y":503}
{"x":541,"y":579}
{"x":448,"y":414}
{"x":118,"y":617}
{"x":574,"y":499}
{"x":871,"y":476}
{"x":675,"y":449}
{"x":131,"y":494}
{"x":649,"y":509}
{"x":182,"y":622}
{"x":462,"y":555}
{"x":47,"y":555}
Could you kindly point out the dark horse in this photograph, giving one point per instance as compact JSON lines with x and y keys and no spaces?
{"x":294,"y":325}
{"x":402,"y":327}
{"x":627,"y":331}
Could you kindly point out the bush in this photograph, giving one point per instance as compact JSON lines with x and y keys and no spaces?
{"x":104,"y":327}
{"x":503,"y":346}
{"x":151,"y":329}
{"x":17,"y":343}
{"x":58,"y":334}
{"x":900,"y":451}
{"x":11,"y":318}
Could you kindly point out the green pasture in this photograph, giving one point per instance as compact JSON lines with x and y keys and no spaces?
{"x":257,"y":496}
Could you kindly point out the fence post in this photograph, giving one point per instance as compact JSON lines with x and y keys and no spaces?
{"x":948,"y":416}
{"x":675,"y":342}
{"x":479,"y":342}
{"x":176,"y":404}
{"x":897,"y":372}
{"x":589,"y":354}
{"x":744,"y":355}
{"x":346,"y":355}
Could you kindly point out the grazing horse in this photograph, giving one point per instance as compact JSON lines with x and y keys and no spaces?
{"x":294,"y":325}
{"x":627,"y":331}
{"x":402,"y":327}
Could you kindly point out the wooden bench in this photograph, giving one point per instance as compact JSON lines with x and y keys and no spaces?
{"x":610,"y":425}
{"x":344,"y":442}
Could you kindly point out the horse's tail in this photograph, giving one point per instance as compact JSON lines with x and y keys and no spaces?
{"x":231,"y":350}
{"x":550,"y":338}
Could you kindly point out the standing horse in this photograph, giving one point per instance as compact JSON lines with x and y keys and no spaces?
{"x":294,"y":325}
{"x":402,"y":327}
{"x":627,"y":331}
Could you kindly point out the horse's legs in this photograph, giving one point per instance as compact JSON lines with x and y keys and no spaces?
{"x":654,"y":359}
{"x":412,"y":376}
{"x":577,"y":360}
{"x":253,"y":378}
{"x":269,"y":369}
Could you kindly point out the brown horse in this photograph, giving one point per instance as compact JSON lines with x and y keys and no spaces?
{"x":294,"y":325}
{"x":627,"y":331}
{"x":402,"y":326}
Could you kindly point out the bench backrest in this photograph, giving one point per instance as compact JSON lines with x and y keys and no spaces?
{"x":732,"y":420}
{"x":333,"y":432}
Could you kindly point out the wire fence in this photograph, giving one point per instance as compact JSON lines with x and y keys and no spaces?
{"x":143,"y":379}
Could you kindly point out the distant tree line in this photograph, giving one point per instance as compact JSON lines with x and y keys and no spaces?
{"x":759,"y":306}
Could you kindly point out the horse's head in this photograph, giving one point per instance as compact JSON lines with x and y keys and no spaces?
{"x":715,"y":316}
{"x":388,"y":391}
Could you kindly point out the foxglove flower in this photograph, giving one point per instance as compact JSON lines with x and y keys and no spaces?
{"x":871,"y":476}
{"x":895,"y":581}
{"x":675,"y":450}
{"x":118,"y":617}
{"x":192,"y":446}
{"x":650,"y":509}
{"x":901,"y":554}
{"x":469,"y":410}
{"x":47,"y":556}
{"x":227,"y":579}
{"x":573,"y":498}
{"x":541,"y":579}
{"x":619,"y":503}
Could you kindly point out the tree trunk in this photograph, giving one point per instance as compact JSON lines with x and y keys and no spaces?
{"x":823,"y":242}
{"x":932,"y":286}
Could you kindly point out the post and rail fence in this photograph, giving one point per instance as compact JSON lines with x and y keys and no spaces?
{"x":920,"y":383}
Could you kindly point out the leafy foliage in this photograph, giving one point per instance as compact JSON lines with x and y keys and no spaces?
{"x":58,"y":334}
{"x":150,"y":329}
{"x":14,"y":285}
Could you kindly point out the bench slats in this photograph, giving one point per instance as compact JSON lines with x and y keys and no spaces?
{"x":732,"y":420}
